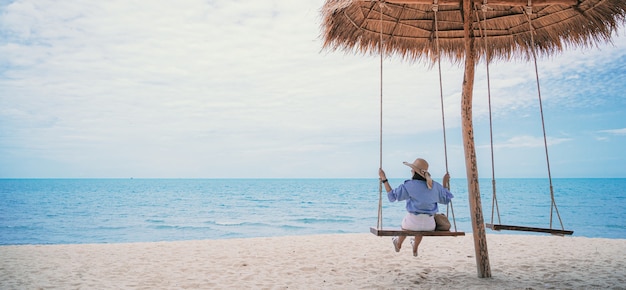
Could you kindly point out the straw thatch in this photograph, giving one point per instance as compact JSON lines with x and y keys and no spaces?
{"x":408,"y":26}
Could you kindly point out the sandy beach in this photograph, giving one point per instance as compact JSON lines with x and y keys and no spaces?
{"x":341,"y":261}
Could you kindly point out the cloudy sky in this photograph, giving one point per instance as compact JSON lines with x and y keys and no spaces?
{"x":232,"y":89}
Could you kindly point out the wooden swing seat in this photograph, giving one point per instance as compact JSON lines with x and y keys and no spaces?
{"x":499,"y":227}
{"x":400,"y":232}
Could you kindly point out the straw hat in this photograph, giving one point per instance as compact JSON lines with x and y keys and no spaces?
{"x":420,"y":166}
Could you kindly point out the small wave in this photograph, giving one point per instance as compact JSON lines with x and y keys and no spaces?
{"x":110,"y":228}
{"x":178,"y":227}
{"x":241,"y":224}
{"x":292,"y":227}
{"x":227,"y":224}
{"x":323,"y":220}
{"x":613,"y":226}
{"x":22,"y":227}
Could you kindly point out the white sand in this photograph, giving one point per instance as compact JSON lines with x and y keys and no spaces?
{"x":347,"y":261}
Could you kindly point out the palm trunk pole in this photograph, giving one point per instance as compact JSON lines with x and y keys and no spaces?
{"x":478,"y":223}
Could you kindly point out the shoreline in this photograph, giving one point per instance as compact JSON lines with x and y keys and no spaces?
{"x":330,"y":261}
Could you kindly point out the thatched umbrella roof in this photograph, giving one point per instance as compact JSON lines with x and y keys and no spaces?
{"x":408,"y":26}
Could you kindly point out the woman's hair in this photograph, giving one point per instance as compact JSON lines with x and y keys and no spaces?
{"x":418,"y":177}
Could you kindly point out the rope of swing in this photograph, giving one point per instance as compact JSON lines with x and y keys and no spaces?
{"x":483,"y":35}
{"x":435,"y":8}
{"x":379,"y":223}
{"x":553,"y":207}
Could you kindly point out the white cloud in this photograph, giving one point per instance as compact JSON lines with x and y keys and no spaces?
{"x":617,"y":132}
{"x":529,"y":142}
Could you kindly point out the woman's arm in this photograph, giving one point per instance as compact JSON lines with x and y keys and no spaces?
{"x":446,"y":181}
{"x":383,"y":179}
{"x":445,"y":196}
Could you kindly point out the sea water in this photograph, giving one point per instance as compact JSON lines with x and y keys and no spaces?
{"x":69,"y":211}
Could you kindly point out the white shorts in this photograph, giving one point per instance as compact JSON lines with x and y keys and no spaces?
{"x":420,"y":222}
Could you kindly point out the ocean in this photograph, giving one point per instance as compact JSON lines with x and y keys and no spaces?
{"x":78,"y":211}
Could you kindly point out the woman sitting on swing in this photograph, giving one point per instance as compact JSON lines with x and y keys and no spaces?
{"x":422,"y":195}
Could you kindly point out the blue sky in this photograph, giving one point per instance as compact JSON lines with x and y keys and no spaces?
{"x":243,"y":89}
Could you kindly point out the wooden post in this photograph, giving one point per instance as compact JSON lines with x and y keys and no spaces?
{"x":476,"y":213}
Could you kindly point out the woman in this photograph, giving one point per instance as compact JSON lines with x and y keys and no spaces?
{"x":422,"y":195}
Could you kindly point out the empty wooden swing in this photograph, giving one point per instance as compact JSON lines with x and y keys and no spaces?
{"x":494,"y":204}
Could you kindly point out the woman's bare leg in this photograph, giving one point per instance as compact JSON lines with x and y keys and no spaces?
{"x":416,"y":243}
{"x":397,"y":242}
{"x":401,"y":240}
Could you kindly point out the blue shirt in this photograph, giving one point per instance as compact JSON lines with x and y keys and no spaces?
{"x":420,"y":199}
